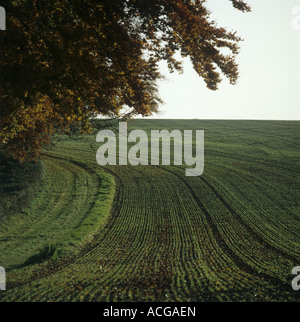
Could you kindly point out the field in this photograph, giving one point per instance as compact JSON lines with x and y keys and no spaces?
{"x":150,"y":233}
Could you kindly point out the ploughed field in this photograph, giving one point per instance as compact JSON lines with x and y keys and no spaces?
{"x":150,"y":233}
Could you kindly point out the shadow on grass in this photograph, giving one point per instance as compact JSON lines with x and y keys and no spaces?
{"x":47,"y":252}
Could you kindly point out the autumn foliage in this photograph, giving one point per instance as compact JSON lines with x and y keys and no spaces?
{"x":64,"y":62}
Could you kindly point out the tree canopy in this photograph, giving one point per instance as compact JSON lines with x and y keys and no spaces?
{"x":63,"y":62}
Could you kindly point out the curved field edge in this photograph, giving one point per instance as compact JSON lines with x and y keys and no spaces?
{"x":100,"y":210}
{"x":72,"y":203}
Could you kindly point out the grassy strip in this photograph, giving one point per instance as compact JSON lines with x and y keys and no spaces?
{"x":71,"y":203}
{"x":101,"y":208}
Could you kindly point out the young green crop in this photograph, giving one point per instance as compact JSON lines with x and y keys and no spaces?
{"x":149,"y":233}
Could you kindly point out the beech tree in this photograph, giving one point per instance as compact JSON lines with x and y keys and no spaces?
{"x":62,"y":62}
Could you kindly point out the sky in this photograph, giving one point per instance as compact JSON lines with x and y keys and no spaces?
{"x":269,"y":66}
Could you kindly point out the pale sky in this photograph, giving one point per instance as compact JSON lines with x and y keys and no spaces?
{"x":269,"y":83}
